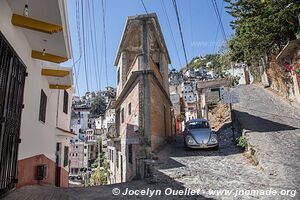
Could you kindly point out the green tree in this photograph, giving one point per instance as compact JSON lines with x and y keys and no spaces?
{"x":98,"y":106}
{"x":100,"y":175}
{"x":262,"y":27}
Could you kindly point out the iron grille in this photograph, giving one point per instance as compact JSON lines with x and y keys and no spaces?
{"x":12,"y":79}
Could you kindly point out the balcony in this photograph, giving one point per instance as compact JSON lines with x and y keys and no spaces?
{"x":58,"y":77}
{"x":47,"y":32}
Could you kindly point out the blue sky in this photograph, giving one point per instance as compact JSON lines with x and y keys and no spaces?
{"x":198,"y":20}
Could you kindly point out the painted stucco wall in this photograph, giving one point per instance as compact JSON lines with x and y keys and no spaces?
{"x":38,"y":139}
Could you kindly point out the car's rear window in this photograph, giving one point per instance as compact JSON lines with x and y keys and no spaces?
{"x":197,"y":125}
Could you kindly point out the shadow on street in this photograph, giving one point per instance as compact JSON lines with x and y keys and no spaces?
{"x":258,"y":124}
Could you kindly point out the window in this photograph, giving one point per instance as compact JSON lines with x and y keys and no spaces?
{"x":85,"y":155}
{"x":198,"y":125}
{"x":43,"y":106}
{"x":157,"y":65}
{"x":117,"y":159}
{"x":66,"y":156}
{"x":76,"y":147}
{"x":129,"y":109}
{"x":130,"y":153}
{"x":76,"y":154}
{"x":122,"y":115}
{"x":66,"y":99}
{"x":118,"y":76}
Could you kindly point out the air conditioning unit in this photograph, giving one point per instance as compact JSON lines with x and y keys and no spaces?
{"x":41,"y":172}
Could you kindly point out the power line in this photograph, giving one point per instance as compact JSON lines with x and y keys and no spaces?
{"x":216,"y":9}
{"x":144,"y":6}
{"x":95,"y":35}
{"x":179,"y":25}
{"x":89,"y":60}
{"x":171,"y":32}
{"x":93,"y":42}
{"x":79,"y":42}
{"x":104,"y":36}
{"x":84,"y":47}
{"x":218,"y":28}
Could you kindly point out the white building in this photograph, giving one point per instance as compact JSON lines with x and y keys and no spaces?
{"x":100,"y":122}
{"x":189,"y":91}
{"x":80,"y":117}
{"x":43,"y":127}
{"x":110,"y":114}
{"x":243,"y":73}
{"x":190,"y":73}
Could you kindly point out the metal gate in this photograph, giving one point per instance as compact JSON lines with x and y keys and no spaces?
{"x":12,"y":79}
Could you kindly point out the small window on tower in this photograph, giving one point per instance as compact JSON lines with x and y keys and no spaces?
{"x":122,"y":115}
{"x":118,"y":76}
{"x":66,"y":99}
{"x":129,"y":109}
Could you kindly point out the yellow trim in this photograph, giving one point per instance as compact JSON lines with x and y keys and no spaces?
{"x":55,"y":72}
{"x":36,"y":25}
{"x":60,"y":87}
{"x":47,"y":57}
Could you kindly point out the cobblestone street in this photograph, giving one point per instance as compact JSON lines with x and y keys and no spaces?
{"x":225,"y":168}
{"x":273,"y":132}
{"x":272,"y":128}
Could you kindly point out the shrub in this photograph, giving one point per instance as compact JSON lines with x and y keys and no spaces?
{"x":242,"y":141}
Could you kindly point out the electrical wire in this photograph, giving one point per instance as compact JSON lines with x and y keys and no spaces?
{"x":79,"y":42}
{"x":144,"y":6}
{"x":96,"y":42}
{"x":215,"y":43}
{"x":92,"y":33}
{"x":84,"y":47}
{"x":180,"y":30}
{"x":216,"y":9}
{"x":171,"y":32}
{"x":104,"y":36}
